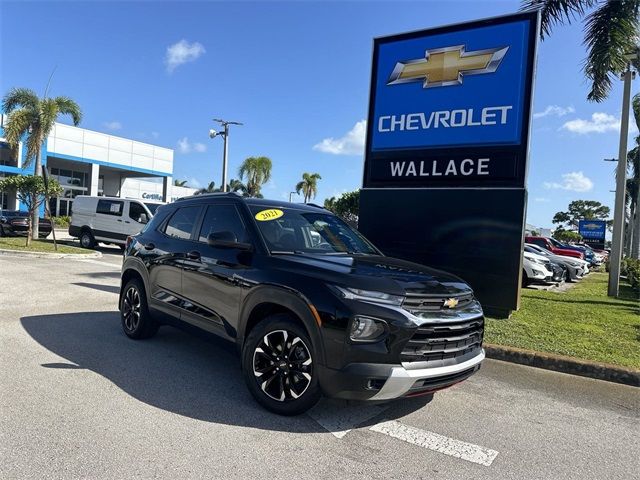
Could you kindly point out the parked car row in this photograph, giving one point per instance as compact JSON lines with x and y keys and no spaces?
{"x":15,"y":223}
{"x":547,"y":260}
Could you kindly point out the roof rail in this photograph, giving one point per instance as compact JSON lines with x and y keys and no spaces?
{"x":315,"y":205}
{"x":209,"y":194}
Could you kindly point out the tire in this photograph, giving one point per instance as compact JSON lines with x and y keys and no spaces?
{"x":287,"y":390}
{"x":86,"y":239}
{"x":137,"y":322}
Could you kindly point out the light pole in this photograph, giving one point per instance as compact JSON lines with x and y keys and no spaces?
{"x":292,"y":193}
{"x":225,"y":135}
{"x":621,"y":185}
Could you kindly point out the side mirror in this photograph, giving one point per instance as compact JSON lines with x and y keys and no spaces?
{"x":226,"y":239}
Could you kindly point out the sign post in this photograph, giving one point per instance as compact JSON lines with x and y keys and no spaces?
{"x":446,"y":153}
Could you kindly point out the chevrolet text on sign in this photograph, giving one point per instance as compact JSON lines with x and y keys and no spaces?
{"x":463,"y":90}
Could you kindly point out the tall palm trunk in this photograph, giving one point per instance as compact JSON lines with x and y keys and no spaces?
{"x":35,"y":217}
{"x":635,"y":238}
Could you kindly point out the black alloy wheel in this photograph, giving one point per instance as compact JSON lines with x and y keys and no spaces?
{"x":278,"y":364}
{"x":137,"y":323}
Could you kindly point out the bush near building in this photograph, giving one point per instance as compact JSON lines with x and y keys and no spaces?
{"x":631,"y":268}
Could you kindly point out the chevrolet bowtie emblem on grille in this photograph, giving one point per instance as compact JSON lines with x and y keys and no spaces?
{"x":451,"y":302}
{"x":446,"y":66}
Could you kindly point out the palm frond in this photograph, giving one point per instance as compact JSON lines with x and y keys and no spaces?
{"x":557,"y":12}
{"x":67,"y":106}
{"x":18,"y":124}
{"x":610,"y":33}
{"x":20,"y":97}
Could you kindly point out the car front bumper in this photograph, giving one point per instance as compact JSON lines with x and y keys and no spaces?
{"x":376,"y":382}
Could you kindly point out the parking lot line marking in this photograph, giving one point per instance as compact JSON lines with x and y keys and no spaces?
{"x":437,"y":443}
{"x":339,"y":418}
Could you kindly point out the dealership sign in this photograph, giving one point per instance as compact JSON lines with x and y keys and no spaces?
{"x":450,"y":106}
{"x":446,"y":152}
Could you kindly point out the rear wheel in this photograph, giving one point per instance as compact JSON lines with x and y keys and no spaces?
{"x":278,"y":366}
{"x":87,"y":240}
{"x":137,"y":322}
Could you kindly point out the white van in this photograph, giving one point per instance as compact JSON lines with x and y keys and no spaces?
{"x":107,"y":219}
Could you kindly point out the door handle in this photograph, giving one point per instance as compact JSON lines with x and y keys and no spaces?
{"x":193,"y":255}
{"x":149,"y":246}
{"x":127,"y":221}
{"x":118,"y":220}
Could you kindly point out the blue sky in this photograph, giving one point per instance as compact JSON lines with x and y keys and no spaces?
{"x":296,"y":73}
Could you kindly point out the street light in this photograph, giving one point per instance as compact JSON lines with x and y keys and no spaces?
{"x":292,"y":193}
{"x":225,"y":135}
{"x":621,"y":183}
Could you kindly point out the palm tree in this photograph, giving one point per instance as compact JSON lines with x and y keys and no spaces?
{"x":308,"y":185}
{"x":257,"y":171}
{"x":180,"y":183}
{"x":211,"y":188}
{"x":237,"y":186}
{"x":609,"y":33}
{"x":32,"y":118}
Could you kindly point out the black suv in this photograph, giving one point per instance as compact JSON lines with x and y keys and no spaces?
{"x":313,"y":307}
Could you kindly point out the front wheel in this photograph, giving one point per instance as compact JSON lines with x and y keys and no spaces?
{"x":87,"y":240}
{"x":137,"y":322}
{"x":278,"y":363}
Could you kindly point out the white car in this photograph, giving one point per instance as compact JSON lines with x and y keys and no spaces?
{"x":536,"y":269}
{"x":107,"y":219}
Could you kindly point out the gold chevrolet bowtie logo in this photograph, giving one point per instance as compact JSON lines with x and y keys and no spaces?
{"x":446,"y":66}
{"x":451,"y":302}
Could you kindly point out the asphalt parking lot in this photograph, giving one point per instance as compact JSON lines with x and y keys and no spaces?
{"x":80,"y":400}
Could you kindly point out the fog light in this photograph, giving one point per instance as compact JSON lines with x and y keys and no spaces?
{"x":365,"y":329}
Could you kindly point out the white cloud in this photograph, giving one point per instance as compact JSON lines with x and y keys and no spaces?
{"x":574,"y":181}
{"x":182,"y":52}
{"x":185,"y":146}
{"x":599,"y":123}
{"x":554,"y":110}
{"x":112,"y":125}
{"x":541,"y":199}
{"x":352,"y":143}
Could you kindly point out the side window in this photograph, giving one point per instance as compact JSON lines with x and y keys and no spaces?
{"x":180,"y":225}
{"x":138,"y":213}
{"x":222,"y":218}
{"x":110,"y":207}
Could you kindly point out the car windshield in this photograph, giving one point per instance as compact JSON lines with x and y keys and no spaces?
{"x":537,"y":250}
{"x":289,"y":230}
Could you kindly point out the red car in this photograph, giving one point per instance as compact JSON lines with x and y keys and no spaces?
{"x":546,"y":244}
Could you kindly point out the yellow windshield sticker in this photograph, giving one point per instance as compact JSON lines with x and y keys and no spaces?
{"x":267,"y":215}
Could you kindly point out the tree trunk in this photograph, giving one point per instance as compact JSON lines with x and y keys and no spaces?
{"x":635,"y":239}
{"x":35,"y":218}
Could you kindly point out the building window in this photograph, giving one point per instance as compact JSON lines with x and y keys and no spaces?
{"x":8,"y":155}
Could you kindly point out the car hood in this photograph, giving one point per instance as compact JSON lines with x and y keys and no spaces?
{"x":374,"y":272}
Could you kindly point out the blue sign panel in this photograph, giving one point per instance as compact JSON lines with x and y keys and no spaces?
{"x":458,"y":88}
{"x":592,"y":229}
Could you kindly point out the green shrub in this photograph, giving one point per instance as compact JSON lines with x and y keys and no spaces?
{"x":631,"y":267}
{"x":62,"y":221}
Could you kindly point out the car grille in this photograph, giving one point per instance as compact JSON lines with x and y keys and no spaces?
{"x":419,"y":303}
{"x":442,"y":341}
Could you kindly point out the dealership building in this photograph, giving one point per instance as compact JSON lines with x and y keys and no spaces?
{"x":86,"y":162}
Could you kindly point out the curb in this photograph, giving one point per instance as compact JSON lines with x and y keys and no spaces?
{"x":26,"y":254}
{"x":561,"y":363}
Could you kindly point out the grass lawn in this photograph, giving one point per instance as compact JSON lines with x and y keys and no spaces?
{"x":18,"y":243}
{"x":581,"y":322}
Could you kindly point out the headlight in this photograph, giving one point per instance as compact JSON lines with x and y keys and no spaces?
{"x":366,"y":329}
{"x":369,"y":296}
